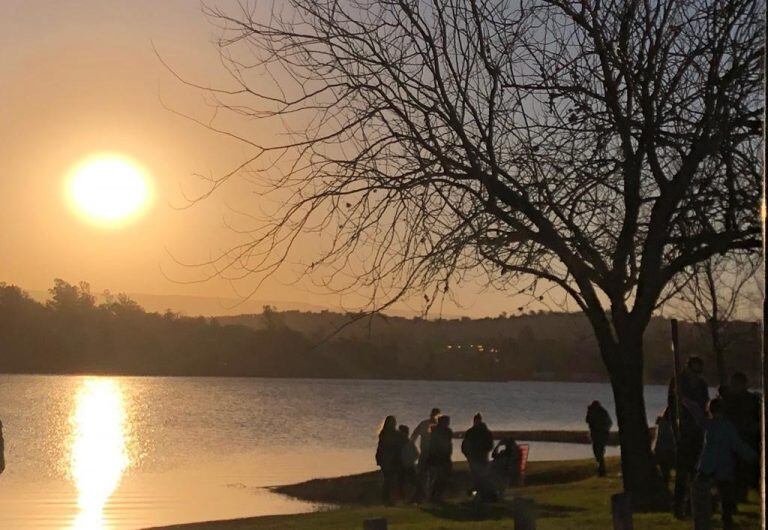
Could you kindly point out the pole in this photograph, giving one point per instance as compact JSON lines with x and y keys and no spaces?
{"x":764,"y":455}
{"x":621,"y":509}
{"x":676,"y":363}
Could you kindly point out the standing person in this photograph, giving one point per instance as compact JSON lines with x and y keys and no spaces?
{"x":440,"y":450}
{"x":742,"y":409}
{"x":600,"y":423}
{"x":476,"y":447}
{"x":694,"y":395}
{"x":664,"y":445}
{"x":717,"y":466}
{"x":423,"y":432}
{"x":388,"y":454}
{"x":407,"y":479}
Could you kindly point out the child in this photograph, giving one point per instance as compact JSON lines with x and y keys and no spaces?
{"x":410,"y":454}
{"x":717,"y":467}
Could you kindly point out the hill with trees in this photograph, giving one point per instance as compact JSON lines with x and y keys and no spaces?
{"x":72,"y":333}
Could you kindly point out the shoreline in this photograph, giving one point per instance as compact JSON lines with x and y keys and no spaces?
{"x":565,"y":494}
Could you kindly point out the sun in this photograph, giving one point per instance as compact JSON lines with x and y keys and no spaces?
{"x":109,"y":189}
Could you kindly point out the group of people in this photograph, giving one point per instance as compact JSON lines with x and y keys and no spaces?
{"x":711,"y":443}
{"x":422,"y":473}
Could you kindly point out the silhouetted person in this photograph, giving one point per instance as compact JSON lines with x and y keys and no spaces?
{"x":717,"y":465}
{"x":440,"y":450}
{"x":600,"y":423}
{"x":423,"y":433}
{"x":742,"y":409}
{"x":388,"y":454}
{"x":476,"y":447}
{"x":408,"y":457}
{"x":505,"y":465}
{"x":2,"y":449}
{"x":694,"y":396}
{"x":664,"y":445}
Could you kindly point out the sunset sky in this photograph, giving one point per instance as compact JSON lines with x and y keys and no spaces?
{"x":79,"y":78}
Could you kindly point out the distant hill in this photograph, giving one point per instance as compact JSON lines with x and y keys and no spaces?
{"x":76,"y":332}
{"x":542,"y":345}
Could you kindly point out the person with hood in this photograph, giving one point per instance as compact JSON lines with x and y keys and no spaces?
{"x":423,"y":432}
{"x":720,"y":452}
{"x":599,"y":422}
{"x":388,"y":458}
{"x":476,"y":447}
{"x":440,"y":450}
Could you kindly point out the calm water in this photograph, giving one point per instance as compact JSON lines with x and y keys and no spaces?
{"x":129,"y":452}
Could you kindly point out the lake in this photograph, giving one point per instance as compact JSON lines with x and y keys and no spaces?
{"x":91,"y":453}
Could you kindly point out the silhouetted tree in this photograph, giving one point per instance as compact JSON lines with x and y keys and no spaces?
{"x":66,"y":297}
{"x":601,"y":147}
{"x":717,"y":292}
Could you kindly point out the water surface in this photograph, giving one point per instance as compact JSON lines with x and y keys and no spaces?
{"x":112,"y":453}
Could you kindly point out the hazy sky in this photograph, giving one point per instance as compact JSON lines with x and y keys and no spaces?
{"x":79,"y":77}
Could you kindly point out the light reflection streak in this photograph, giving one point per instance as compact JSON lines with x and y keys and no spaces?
{"x":99,"y":453}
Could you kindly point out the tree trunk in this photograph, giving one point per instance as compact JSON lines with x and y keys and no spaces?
{"x":642,"y":479}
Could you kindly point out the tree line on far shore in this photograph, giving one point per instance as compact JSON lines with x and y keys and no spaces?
{"x":72,"y":333}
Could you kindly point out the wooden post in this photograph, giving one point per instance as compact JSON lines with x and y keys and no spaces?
{"x":380,"y":523}
{"x":524,"y":513}
{"x":676,"y":363}
{"x":621,"y":508}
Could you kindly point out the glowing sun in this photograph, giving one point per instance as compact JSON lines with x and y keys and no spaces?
{"x":109,"y":189}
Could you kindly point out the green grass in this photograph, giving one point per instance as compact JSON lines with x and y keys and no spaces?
{"x":565,"y":493}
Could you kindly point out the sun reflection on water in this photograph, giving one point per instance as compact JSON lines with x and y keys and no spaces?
{"x":99,"y":454}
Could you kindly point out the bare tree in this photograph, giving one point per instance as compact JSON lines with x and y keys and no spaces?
{"x":718,"y":292}
{"x":600,"y":146}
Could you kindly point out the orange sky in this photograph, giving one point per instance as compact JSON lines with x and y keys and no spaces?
{"x":80,"y":76}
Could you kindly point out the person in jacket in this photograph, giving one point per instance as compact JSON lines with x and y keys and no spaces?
{"x":742,"y":409}
{"x":388,"y":455}
{"x":423,"y":432}
{"x":476,"y":447}
{"x":694,"y":395}
{"x":664,"y":445}
{"x":440,"y":450}
{"x":409,"y":455}
{"x":720,"y":452}
{"x":599,"y":422}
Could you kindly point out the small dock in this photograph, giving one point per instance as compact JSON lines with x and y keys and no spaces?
{"x":570,"y":437}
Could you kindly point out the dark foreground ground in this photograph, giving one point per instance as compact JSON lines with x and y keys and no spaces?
{"x":566,"y":495}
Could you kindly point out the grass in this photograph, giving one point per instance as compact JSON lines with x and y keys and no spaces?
{"x":566,"y":495}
